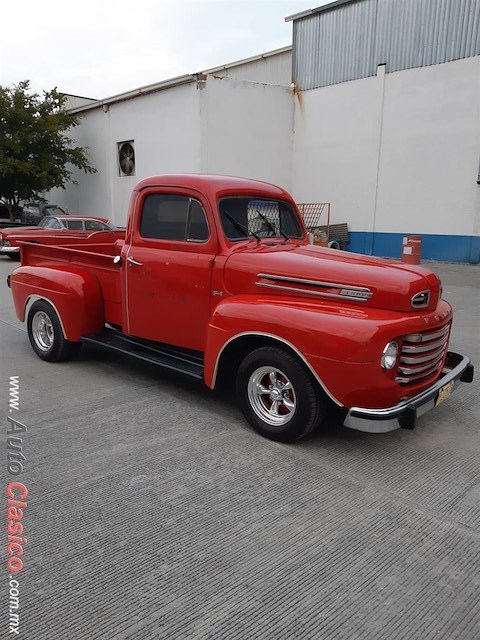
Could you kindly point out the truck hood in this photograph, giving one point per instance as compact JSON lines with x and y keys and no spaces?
{"x":323,"y":274}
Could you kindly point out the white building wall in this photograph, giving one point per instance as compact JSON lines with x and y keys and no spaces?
{"x":73,"y":102}
{"x":336,"y":147}
{"x":228,"y":126}
{"x":165,"y":127}
{"x":247,"y":130}
{"x":90,"y":196}
{"x":397,"y":153}
{"x":430,"y":150}
{"x":271,"y":68}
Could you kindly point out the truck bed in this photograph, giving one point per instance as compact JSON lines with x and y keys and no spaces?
{"x":76,"y":251}
{"x":95,"y":256}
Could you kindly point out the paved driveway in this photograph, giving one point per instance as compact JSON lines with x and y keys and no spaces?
{"x":154,"y":511}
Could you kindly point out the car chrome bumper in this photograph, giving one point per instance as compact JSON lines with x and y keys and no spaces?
{"x":9,"y":249}
{"x":457,"y":369}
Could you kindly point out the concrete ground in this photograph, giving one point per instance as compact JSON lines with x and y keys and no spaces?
{"x":155,"y":512}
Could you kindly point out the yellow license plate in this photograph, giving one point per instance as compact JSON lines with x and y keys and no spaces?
{"x":445,"y":392}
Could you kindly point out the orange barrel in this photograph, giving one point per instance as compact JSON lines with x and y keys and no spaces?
{"x":412,"y":249}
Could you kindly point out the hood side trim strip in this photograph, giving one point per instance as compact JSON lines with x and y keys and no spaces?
{"x":308,"y":292}
{"x":314,"y":283}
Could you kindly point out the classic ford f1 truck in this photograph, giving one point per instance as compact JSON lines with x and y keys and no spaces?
{"x":216,"y":279}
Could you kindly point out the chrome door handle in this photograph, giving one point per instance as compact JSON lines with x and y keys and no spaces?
{"x":132,"y":261}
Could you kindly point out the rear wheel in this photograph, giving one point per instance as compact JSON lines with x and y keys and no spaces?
{"x":14,"y":256}
{"x":46,"y":334}
{"x":278,"y":395}
{"x":334,"y":244}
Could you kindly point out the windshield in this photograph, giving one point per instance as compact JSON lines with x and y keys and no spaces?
{"x":53,"y":210}
{"x":31,"y":208}
{"x":244,"y":216}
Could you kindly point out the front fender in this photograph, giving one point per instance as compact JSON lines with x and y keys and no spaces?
{"x":75,"y":293}
{"x":303,"y":326}
{"x":342,"y":345}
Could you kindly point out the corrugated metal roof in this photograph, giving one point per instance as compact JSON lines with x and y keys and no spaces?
{"x":347,"y":40}
{"x":324,"y":7}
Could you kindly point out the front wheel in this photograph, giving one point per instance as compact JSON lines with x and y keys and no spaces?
{"x":278,"y":395}
{"x":46,"y":334}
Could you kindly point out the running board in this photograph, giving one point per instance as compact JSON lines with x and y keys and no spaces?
{"x":184,"y":361}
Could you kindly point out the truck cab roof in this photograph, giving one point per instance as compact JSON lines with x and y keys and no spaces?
{"x":214,"y":184}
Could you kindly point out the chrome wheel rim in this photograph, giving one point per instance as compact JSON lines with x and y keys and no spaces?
{"x":42,"y":331}
{"x":271,"y":395}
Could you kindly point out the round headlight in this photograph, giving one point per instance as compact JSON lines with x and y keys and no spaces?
{"x":389,"y":355}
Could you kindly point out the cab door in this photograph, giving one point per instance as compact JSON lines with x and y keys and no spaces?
{"x":168,"y":266}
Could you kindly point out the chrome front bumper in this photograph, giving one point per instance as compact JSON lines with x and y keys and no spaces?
{"x":457,"y":369}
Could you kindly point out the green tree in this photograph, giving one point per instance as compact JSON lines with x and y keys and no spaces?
{"x":36,"y":154}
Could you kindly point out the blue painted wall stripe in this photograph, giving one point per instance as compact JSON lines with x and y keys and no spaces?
{"x":434,"y":247}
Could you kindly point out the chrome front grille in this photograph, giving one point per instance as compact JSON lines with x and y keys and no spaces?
{"x":422,"y":354}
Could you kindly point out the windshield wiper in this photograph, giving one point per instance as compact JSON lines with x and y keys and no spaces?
{"x":239,"y":227}
{"x":270,"y":225}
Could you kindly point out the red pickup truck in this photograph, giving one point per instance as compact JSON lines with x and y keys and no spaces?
{"x":216,"y":279}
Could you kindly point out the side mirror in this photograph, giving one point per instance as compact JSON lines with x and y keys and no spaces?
{"x":117,"y":260}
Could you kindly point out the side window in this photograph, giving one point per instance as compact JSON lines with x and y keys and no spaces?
{"x":74,"y":225}
{"x":197,"y":226}
{"x":172,"y":217}
{"x":94,"y":225}
{"x":52,"y":223}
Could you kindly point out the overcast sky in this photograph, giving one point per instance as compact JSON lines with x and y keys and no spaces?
{"x":98,"y":48}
